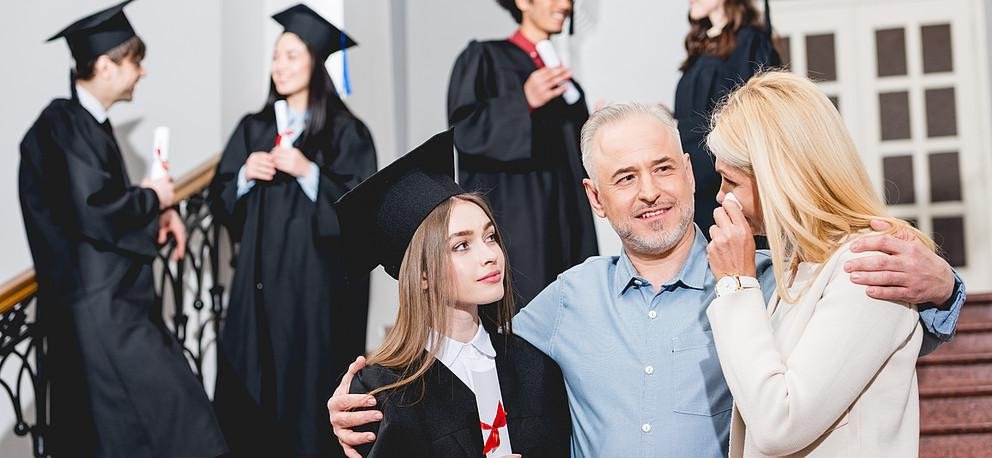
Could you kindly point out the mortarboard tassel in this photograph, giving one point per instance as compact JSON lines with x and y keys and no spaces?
{"x":344,"y":64}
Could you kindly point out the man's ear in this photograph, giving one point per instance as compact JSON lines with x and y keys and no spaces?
{"x":103,"y":67}
{"x":688,"y":170}
{"x":593,"y":194}
{"x":524,"y":5}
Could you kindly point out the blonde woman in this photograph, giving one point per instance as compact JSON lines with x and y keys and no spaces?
{"x":445,"y":384}
{"x":825,"y":370}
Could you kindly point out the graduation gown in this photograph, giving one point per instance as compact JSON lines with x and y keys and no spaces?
{"x":707,"y":81}
{"x":528,"y":165}
{"x":120,"y":385}
{"x":437,"y":415}
{"x":294,"y":320}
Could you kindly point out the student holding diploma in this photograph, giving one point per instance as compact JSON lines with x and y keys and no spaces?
{"x":294,"y":319}
{"x":120,"y":385}
{"x":517,"y":116}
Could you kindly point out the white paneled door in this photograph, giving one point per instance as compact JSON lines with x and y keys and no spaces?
{"x":911,"y":79}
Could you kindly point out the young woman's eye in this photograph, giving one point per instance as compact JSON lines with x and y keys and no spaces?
{"x":462,"y":246}
{"x":491,"y":237}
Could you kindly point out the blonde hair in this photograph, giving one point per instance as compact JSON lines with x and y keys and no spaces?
{"x":423,"y":311}
{"x":615,"y":113}
{"x":814,"y":191}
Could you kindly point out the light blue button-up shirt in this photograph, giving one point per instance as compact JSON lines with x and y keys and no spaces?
{"x":640,"y":366}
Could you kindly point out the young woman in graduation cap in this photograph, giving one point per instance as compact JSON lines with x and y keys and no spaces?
{"x":294,"y":320}
{"x":728,"y":42}
{"x":445,"y":385}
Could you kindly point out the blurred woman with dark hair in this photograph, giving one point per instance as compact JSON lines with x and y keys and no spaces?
{"x":294,"y":318}
{"x":728,"y":42}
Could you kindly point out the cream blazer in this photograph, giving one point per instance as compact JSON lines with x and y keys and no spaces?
{"x":832,"y":375}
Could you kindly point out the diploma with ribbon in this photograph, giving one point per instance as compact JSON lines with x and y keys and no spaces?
{"x":492,"y":416}
{"x":160,"y":154}
{"x":282,"y":123}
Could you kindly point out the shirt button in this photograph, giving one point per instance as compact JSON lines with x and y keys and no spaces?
{"x":652,"y":314}
{"x":649,"y":370}
{"x":258,"y":286}
{"x":638,"y":283}
{"x":646,"y":428}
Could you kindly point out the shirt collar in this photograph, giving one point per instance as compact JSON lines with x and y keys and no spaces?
{"x":524,"y":44}
{"x":691,"y":275}
{"x":451,"y":349}
{"x":91,"y":104}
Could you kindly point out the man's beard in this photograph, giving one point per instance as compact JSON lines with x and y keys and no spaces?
{"x":660,"y":240}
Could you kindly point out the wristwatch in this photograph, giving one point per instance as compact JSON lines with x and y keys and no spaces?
{"x":729,"y":284}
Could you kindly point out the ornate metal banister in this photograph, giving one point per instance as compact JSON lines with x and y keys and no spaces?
{"x":184,"y":289}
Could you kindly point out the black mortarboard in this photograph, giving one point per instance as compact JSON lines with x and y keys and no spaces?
{"x":97,"y":33}
{"x":379,"y":216}
{"x":320,"y":35}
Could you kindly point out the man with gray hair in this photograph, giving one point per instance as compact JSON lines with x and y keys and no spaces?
{"x":630,"y":332}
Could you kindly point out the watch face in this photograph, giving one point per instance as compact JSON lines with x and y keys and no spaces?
{"x":726,"y":285}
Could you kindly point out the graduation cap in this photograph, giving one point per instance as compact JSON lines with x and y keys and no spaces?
{"x":320,"y":35}
{"x":379,"y":216}
{"x":97,"y":33}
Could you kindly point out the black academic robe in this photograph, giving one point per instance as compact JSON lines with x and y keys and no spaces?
{"x":528,"y":164}
{"x":120,"y":385}
{"x":437,"y":416}
{"x":707,"y":81}
{"x":294,"y":319}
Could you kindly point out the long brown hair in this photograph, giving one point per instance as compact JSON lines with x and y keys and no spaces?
{"x":425,"y":310}
{"x":739,"y":13}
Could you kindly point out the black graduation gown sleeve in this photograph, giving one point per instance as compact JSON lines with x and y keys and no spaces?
{"x":224,"y":202}
{"x":353,"y":161}
{"x":400,"y":440}
{"x":754,"y":52}
{"x":108,"y":211}
{"x":487,"y":109}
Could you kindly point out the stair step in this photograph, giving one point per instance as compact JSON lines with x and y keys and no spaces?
{"x":976,"y":310}
{"x":949,"y":359}
{"x":968,"y":340}
{"x":942,"y":375}
{"x":969,"y":414}
{"x":961,"y":428}
{"x":955,"y":445}
{"x":974,"y":327}
{"x":955,"y":391}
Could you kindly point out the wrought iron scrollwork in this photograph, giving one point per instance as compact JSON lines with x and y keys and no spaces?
{"x":190,"y":297}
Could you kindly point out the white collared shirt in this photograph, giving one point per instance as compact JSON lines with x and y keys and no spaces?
{"x":91,"y":104}
{"x":474,"y":363}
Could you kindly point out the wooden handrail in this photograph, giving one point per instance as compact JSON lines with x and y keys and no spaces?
{"x":17,"y":289}
{"x":22,"y":286}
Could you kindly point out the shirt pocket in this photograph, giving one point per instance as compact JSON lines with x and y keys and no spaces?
{"x":698,"y":383}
